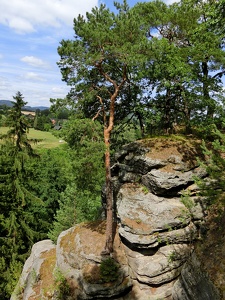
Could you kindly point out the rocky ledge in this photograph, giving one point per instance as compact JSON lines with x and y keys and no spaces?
{"x":158,"y":218}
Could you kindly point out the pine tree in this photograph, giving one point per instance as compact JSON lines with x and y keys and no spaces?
{"x":98,"y":65}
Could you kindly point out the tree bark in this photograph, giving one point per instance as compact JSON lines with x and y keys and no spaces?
{"x":108,"y":127}
{"x":209,"y":101}
{"x":109,"y":196}
{"x":167,"y":112}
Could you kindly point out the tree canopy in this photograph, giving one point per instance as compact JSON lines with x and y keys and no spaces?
{"x":147,"y":63}
{"x":98,"y":65}
{"x":133,"y":72}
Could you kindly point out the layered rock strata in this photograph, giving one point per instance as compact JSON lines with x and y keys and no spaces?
{"x":158,"y":217}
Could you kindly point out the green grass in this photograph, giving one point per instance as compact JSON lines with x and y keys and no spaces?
{"x":44,"y":139}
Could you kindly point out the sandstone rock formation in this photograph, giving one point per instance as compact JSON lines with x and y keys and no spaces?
{"x":193,"y":283}
{"x":154,"y":239}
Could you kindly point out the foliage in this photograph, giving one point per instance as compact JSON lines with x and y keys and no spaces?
{"x":63,"y":288}
{"x":85,"y":139}
{"x":42,"y":120}
{"x":148,"y":63}
{"x":185,"y":61}
{"x":49,"y":174}
{"x":133,"y":72}
{"x":30,"y":188}
{"x":174,"y":64}
{"x":189,"y":205}
{"x":16,"y":230}
{"x":109,"y":270}
{"x":123,"y":134}
{"x":65,"y":216}
{"x":81,"y":200}
{"x":214,"y":151}
{"x":100,"y":47}
{"x":97,"y":65}
{"x":173,"y":256}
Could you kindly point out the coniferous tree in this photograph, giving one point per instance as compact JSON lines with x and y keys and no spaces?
{"x":186,"y":61}
{"x":97,"y":64}
{"x":214,"y":188}
{"x":16,"y":232}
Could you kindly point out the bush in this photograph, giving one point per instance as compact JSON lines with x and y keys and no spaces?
{"x":109,"y":270}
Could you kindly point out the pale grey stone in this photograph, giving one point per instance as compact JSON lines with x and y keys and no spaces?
{"x":31,"y":270}
{"x":156,"y":232}
{"x":193,"y":284}
{"x":147,"y":241}
{"x":146,"y":213}
{"x":160,"y":267}
{"x":169,"y":183}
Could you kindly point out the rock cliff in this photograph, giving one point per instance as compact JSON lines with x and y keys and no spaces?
{"x":158,"y":219}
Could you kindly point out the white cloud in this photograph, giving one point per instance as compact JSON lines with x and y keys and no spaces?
{"x":25,"y":16}
{"x":28,"y":61}
{"x":35,"y":62}
{"x":168,"y":2}
{"x":4,"y":83}
{"x":33,"y":77}
{"x":20,"y":25}
{"x":58,"y":90}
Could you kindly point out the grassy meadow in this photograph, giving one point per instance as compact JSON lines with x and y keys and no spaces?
{"x":39,"y":139}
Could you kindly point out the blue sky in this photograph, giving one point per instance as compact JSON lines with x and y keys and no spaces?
{"x":30,"y":32}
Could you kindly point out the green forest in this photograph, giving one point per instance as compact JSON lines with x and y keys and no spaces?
{"x":134,"y":73}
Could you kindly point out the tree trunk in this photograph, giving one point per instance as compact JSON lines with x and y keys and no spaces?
{"x":167,"y":112}
{"x":187,"y":116}
{"x":109,"y":196}
{"x":209,"y":101}
{"x":108,"y":127}
{"x":142,"y":128}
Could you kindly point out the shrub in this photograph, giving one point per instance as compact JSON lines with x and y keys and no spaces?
{"x":109,"y":270}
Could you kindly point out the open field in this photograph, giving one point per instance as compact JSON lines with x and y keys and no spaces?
{"x":44,"y":139}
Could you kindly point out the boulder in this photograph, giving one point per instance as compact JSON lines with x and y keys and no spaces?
{"x":37,"y":271}
{"x":142,"y":241}
{"x":79,"y":259}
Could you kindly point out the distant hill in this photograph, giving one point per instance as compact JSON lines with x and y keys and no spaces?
{"x":6,"y":102}
{"x":30,"y":108}
{"x":34,"y":108}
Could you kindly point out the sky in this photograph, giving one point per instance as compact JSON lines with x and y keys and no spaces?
{"x":30,"y":32}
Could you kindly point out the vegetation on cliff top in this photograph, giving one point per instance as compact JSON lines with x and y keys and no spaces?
{"x":139,"y":72}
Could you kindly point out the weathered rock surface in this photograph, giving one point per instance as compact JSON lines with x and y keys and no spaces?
{"x":158,"y":267}
{"x":168,"y":183}
{"x":146,"y":219}
{"x":193,"y":283}
{"x":152,"y":179}
{"x":78,"y":258}
{"x":37,"y":271}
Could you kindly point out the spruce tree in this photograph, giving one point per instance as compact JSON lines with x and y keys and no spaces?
{"x":16,"y":233}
